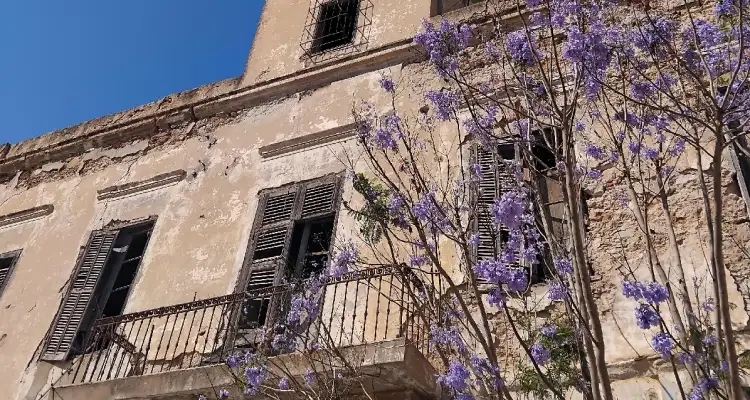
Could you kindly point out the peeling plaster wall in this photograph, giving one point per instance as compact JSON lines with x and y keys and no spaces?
{"x":276,"y":48}
{"x":203,"y":222}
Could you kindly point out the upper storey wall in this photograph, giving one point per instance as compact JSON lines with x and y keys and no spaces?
{"x":279,"y":40}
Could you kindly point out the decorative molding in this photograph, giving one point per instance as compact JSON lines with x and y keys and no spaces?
{"x":308,"y":141}
{"x":128,"y":189}
{"x":26,"y":215}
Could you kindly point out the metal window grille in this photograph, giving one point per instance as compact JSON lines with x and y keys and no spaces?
{"x":336,"y":28}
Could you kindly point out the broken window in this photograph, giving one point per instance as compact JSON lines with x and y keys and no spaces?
{"x":336,"y":24}
{"x":291,"y":241}
{"x":7,"y":263}
{"x":99,"y":288}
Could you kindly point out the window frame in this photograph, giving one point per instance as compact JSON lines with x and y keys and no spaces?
{"x":537,"y":274}
{"x":99,"y":292}
{"x":249,"y":336}
{"x":14,"y":256}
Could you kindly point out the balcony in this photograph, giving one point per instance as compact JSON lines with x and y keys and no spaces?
{"x":180,"y":350}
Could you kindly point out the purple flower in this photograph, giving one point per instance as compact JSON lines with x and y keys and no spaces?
{"x":724,"y":8}
{"x":442,"y":43}
{"x":417,"y":260}
{"x":395,"y":203}
{"x":663,"y":344}
{"x":284,"y":383}
{"x":595,"y":152}
{"x":708,"y":305}
{"x":343,"y":260}
{"x":202,"y":397}
{"x":649,"y":153}
{"x":646,"y":317}
{"x":448,"y":336}
{"x":685,"y":358}
{"x":557,"y":291}
{"x":384,"y":139}
{"x":594,"y":173}
{"x":563,"y":266}
{"x":492,"y":50}
{"x":254,"y":377}
{"x":509,"y":209}
{"x":634,"y":147}
{"x":516,"y":279}
{"x":652,"y":292}
{"x":387,"y":85}
{"x":455,"y":378}
{"x":702,"y":387}
{"x":539,"y":354}
{"x":677,"y":147}
{"x":309,"y":377}
{"x":548,"y":330}
{"x":445,"y":101}
{"x":234,"y":360}
{"x":223,"y":394}
{"x":520,"y":49}
{"x":641,"y":90}
{"x":425,"y":207}
{"x":496,"y":297}
{"x":709,"y":340}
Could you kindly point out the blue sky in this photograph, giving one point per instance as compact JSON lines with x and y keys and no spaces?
{"x":65,"y":62}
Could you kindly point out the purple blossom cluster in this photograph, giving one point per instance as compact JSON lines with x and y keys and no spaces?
{"x":548,"y":330}
{"x":703,"y":387}
{"x":520,"y":49}
{"x":455,"y":379}
{"x":500,"y":273}
{"x":343,"y":261}
{"x":445,"y":101}
{"x":539,"y":354}
{"x":490,"y":373}
{"x":509,"y":209}
{"x":663,"y":344}
{"x":442,"y":43}
{"x":254,"y":377}
{"x":651,"y":292}
{"x":480,"y":127}
{"x":447,"y":336}
{"x":557,"y":291}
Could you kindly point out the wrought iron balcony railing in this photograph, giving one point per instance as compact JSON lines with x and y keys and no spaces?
{"x":355,"y":309}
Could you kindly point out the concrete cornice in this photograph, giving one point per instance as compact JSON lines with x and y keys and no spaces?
{"x":26,"y":215}
{"x":205,"y":101}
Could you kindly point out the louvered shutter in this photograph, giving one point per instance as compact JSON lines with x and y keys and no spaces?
{"x":78,"y":304}
{"x":319,"y":199}
{"x":273,"y":226}
{"x":496,"y":178}
{"x":488,"y":189}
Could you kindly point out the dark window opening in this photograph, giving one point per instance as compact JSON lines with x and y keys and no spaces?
{"x":543,"y":149}
{"x":443,"y":6}
{"x":124,"y":267}
{"x":311,"y":242}
{"x":336,"y":24}
{"x":7,"y":261}
{"x":506,"y":152}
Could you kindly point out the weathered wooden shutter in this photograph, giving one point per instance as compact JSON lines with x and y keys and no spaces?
{"x":77,"y":304}
{"x":488,"y":189}
{"x":496,"y":178}
{"x":270,"y":241}
{"x":319,"y":199}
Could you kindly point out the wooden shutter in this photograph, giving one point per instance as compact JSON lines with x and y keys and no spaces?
{"x":77,"y":304}
{"x":319,"y":199}
{"x":488,"y":189}
{"x":496,"y":178}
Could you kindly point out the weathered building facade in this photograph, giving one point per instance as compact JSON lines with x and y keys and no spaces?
{"x":129,"y":243}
